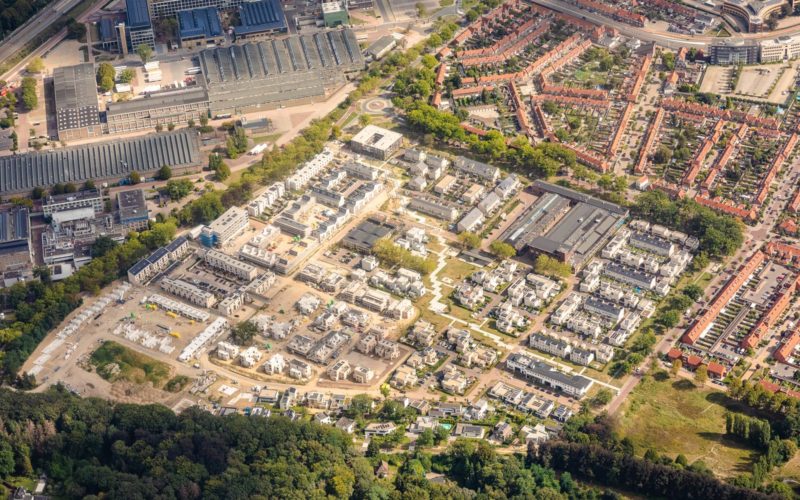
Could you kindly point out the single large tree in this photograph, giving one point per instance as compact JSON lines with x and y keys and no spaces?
{"x":145,"y":52}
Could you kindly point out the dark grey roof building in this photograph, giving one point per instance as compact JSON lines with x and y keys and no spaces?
{"x":264,"y":75}
{"x":364,"y":236}
{"x":565,"y":224}
{"x":110,"y":160}
{"x":15,"y":249}
{"x":261,"y":18}
{"x":75,"y":89}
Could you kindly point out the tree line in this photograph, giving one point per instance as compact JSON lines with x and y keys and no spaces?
{"x":13,"y":14}
{"x":393,"y":255}
{"x":616,"y":469}
{"x":99,"y":449}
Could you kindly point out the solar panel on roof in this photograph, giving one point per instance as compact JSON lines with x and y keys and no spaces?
{"x":111,"y":158}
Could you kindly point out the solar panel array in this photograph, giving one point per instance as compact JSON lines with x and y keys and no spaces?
{"x":103,"y":160}
{"x":14,"y":224}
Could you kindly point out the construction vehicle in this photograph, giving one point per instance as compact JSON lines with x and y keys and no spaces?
{"x":171,"y":314}
{"x":175,"y":334}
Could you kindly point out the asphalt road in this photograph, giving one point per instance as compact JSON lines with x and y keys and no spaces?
{"x":670,"y":40}
{"x":31,"y":29}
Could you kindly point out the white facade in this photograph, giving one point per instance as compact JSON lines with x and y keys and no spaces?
{"x":231,"y":265}
{"x":227,"y":226}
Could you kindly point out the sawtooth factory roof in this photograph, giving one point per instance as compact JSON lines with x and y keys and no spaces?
{"x":103,"y":160}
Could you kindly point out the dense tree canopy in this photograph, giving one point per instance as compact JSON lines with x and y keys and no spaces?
{"x":14,"y":13}
{"x":718,"y":234}
{"x":93,"y":447}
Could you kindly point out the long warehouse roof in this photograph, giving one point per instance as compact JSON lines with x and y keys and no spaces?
{"x":102,"y":160}
{"x":297,"y":53}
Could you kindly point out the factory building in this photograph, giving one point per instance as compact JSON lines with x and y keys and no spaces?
{"x":381,"y":47}
{"x":90,"y":198}
{"x":138,"y":27}
{"x":110,"y":160}
{"x":77,"y":114}
{"x":159,"y":9}
{"x":565,"y":224}
{"x":198,"y":27}
{"x":334,"y":14}
{"x":360,"y":4}
{"x":255,"y":76}
{"x":132,"y":209}
{"x":16,"y":259}
{"x":157,"y":108}
{"x":294,"y":70}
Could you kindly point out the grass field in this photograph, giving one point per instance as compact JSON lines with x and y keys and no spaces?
{"x":133,"y":366}
{"x":673,"y":416}
{"x":458,"y":311}
{"x":456,"y":269}
{"x":790,"y":470}
{"x":261,"y":139}
{"x":437,"y":320}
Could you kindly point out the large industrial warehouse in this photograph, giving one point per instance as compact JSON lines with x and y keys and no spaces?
{"x":110,"y":160}
{"x":565,"y":224}
{"x":264,"y":75}
{"x":255,"y":76}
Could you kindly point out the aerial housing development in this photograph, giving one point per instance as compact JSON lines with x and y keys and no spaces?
{"x":557,"y":240}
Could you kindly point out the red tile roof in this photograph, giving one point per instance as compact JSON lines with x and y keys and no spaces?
{"x":717,"y":369}
{"x":693,"y":361}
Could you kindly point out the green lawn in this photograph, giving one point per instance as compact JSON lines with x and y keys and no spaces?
{"x":437,"y":320}
{"x":591,"y":75}
{"x":456,"y":269}
{"x":458,"y":311}
{"x":261,"y":139}
{"x":133,"y":366}
{"x":673,"y":416}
